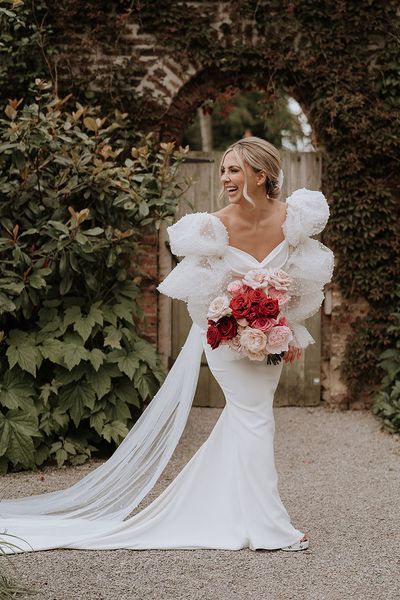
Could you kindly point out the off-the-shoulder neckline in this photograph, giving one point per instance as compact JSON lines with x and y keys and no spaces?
{"x":225,"y":229}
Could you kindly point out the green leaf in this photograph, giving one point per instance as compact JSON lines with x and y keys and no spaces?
{"x":97,"y":421}
{"x":6,"y":304}
{"x":123,"y":312}
{"x":94,"y":231}
{"x":4,"y":437}
{"x":75,"y":397}
{"x":61,"y":457}
{"x":129,"y":363}
{"x":23,"y":351}
{"x":100,"y":381}
{"x":74,"y":351}
{"x":15,"y":287}
{"x":16,"y":390}
{"x":147,"y":353}
{"x":108,"y":315}
{"x":144,"y":208}
{"x":96,"y":357}
{"x":83,"y":324}
{"x":114,"y":430}
{"x":125,"y":390}
{"x":112,"y":336}
{"x":22,"y":427}
{"x":53,"y":350}
{"x":36,"y":281}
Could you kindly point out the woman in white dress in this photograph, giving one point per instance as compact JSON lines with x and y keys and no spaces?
{"x":226,"y":496}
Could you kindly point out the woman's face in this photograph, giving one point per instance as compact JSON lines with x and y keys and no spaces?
{"x":233,"y":179}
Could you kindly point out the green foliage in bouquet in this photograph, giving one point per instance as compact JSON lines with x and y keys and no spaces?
{"x":74,"y":373}
{"x":387,"y":400}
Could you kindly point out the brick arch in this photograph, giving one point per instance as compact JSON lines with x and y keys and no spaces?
{"x":205,"y":84}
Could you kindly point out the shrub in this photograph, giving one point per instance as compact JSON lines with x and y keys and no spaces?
{"x":73,"y":203}
{"x":387,"y":400}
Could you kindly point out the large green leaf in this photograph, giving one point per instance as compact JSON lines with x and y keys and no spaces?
{"x":21,"y":427}
{"x":96,"y":358}
{"x":146,"y":352}
{"x":54,"y":350}
{"x":16,"y":390}
{"x":83,"y":324}
{"x":76,"y":397}
{"x":125,"y":390}
{"x":127,"y":361}
{"x":112,"y":336}
{"x":100,"y":380}
{"x":114,"y":430}
{"x":123,"y":310}
{"x":23,"y":351}
{"x":74,"y":351}
{"x":97,"y":421}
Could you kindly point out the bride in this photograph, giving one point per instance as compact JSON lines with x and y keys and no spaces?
{"x":226,"y":496}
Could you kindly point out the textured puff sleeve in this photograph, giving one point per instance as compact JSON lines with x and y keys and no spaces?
{"x":200,"y":276}
{"x":310,"y":263}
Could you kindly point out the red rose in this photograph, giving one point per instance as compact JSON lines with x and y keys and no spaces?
{"x":268,"y":307}
{"x":253,"y":314}
{"x":256,"y":296}
{"x":227,"y":327}
{"x":240,"y":305}
{"x":213,"y":335}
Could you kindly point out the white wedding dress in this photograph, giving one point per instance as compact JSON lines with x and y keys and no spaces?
{"x":227,"y":495}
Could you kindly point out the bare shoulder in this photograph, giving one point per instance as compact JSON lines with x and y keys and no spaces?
{"x":223,"y":214}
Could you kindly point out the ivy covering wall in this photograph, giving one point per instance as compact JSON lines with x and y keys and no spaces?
{"x":338,"y":59}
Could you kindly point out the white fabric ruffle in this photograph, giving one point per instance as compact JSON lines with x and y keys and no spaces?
{"x":204,"y":271}
{"x":307,"y":215}
{"x":198,"y":234}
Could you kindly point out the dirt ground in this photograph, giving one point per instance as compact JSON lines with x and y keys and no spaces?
{"x":339,"y":478}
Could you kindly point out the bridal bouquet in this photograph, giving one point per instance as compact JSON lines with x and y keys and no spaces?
{"x":248,"y":316}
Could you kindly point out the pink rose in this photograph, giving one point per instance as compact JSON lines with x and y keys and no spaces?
{"x":256,"y":278}
{"x":264,"y":323}
{"x":278,"y":339}
{"x":234,"y":344}
{"x":236,"y":287}
{"x":279,"y":279}
{"x":281,"y":295}
{"x":253,"y":343}
{"x":219,"y":308}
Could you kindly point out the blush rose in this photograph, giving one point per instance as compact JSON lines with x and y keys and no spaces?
{"x":278,"y":339}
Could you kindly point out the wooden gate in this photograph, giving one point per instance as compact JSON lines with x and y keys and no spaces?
{"x":300,"y":382}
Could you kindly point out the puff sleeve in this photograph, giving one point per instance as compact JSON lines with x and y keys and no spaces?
{"x":310,"y":262}
{"x":202,"y":241}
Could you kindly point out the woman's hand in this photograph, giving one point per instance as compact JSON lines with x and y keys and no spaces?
{"x":292,"y":354}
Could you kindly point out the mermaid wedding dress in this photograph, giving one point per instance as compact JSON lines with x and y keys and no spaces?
{"x":226,"y":497}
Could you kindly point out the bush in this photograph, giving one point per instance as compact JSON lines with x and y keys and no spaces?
{"x":387,"y":400}
{"x":73,"y":203}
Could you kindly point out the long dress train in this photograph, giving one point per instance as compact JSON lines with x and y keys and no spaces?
{"x":225,"y":497}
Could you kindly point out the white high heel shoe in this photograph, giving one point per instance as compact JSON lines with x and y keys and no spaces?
{"x":300,"y":545}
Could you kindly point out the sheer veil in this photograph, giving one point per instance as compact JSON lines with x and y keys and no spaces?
{"x":116,"y":487}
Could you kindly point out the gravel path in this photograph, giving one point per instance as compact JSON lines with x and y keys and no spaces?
{"x":339,"y":478}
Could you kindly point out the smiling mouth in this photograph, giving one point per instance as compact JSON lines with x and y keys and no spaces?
{"x":231,"y":189}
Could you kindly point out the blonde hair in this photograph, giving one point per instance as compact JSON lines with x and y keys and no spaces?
{"x":261,"y":156}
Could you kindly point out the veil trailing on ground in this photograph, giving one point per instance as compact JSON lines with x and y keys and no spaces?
{"x":115,"y":488}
